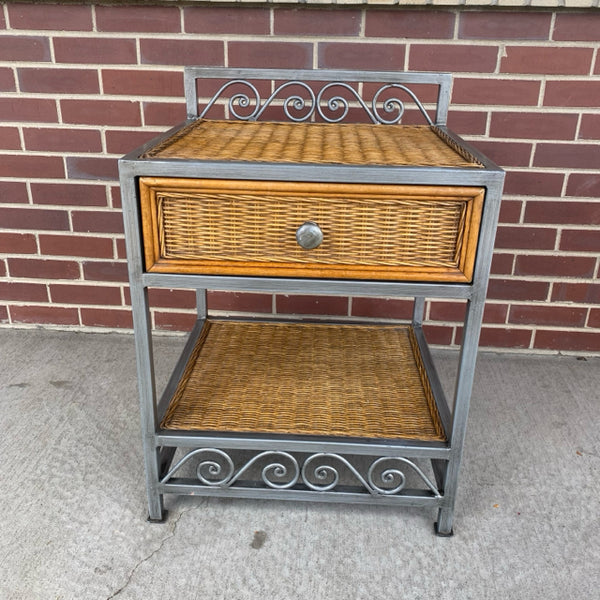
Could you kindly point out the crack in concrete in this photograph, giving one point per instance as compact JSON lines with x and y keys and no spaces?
{"x":152,"y":554}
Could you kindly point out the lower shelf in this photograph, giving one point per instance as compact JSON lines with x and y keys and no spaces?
{"x":358,"y":381}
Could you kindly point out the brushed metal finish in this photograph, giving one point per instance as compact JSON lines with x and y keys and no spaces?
{"x":309,"y":235}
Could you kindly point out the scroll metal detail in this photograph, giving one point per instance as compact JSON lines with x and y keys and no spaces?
{"x":319,"y":472}
{"x":301,"y":102}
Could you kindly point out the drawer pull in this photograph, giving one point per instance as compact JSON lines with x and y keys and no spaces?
{"x":309,"y":235}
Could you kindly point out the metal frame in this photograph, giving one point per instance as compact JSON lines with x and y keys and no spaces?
{"x":160,"y":445}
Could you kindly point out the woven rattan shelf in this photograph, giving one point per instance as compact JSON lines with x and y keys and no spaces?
{"x":375,"y":214}
{"x":317,"y":143}
{"x":312,"y":379}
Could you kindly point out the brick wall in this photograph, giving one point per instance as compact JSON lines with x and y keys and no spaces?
{"x":81,"y":84}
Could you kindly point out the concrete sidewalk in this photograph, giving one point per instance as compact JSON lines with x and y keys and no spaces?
{"x":74,"y":527}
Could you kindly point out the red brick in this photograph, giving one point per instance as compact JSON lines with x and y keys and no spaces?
{"x":438,"y":335}
{"x":580,"y":341}
{"x":99,"y":51}
{"x":577,"y":27}
{"x":594,"y":318}
{"x":115,"y":196}
{"x":502,"y":264}
{"x":22,"y":48}
{"x":515,"y":289}
{"x":121,"y":250}
{"x":504,"y":337}
{"x":239,"y":301}
{"x":28,"y":109}
{"x":47,"y":315}
{"x":85,"y":294}
{"x":563,"y":213}
{"x":572,"y":93}
{"x":2,"y":21}
{"x":383,"y":308}
{"x":93,"y":317}
{"x":575,"y":156}
{"x":164,"y":113}
{"x":513,"y":154}
{"x":169,"y":321}
{"x":456,"y":58}
{"x":50,"y":16}
{"x":7,"y":80}
{"x":17,"y":243}
{"x":98,"y":221}
{"x":525,"y":238}
{"x":3,"y":269}
{"x":32,"y":219}
{"x":577,"y":240}
{"x":105,"y":271}
{"x":59,"y":81}
{"x":498,"y":92}
{"x":182,"y":52}
{"x":9,"y":138}
{"x":43,"y":269}
{"x":101,"y":112}
{"x":489,"y":25}
{"x":342,"y":55}
{"x":92,"y":168}
{"x":467,"y":123}
{"x":4,"y":318}
{"x":143,"y":19}
{"x":583,"y":293}
{"x":311,"y":305}
{"x":306,"y":21}
{"x":144,"y":83}
{"x":545,"y":126}
{"x":167,"y":298}
{"x":221,"y":19}
{"x":559,"y":316}
{"x":590,"y":127}
{"x":76,"y":245}
{"x":533,"y":183}
{"x":13,"y":192}
{"x":26,"y":166}
{"x":18,"y":291}
{"x":121,"y":142}
{"x":68,"y":194}
{"x":409,"y":24}
{"x":510,"y":211}
{"x":550,"y":61}
{"x":286,"y":55}
{"x":62,"y":140}
{"x":447,"y":311}
{"x":584,"y":184}
{"x":495,"y":313}
{"x":555,"y":266}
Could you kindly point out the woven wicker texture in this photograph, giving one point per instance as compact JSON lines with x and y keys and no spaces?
{"x":335,"y":380}
{"x":261,"y":227}
{"x":315,"y":143}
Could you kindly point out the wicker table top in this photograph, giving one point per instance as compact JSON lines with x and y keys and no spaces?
{"x":314,"y":143}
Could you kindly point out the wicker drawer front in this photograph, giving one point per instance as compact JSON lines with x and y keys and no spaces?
{"x":420,"y":233}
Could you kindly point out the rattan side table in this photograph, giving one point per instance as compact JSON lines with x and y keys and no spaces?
{"x":284,"y":183}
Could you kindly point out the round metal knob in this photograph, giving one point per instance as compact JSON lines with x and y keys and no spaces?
{"x":309,"y":235}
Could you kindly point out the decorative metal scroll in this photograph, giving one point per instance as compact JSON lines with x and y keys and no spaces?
{"x":319,"y":472}
{"x":301,"y":103}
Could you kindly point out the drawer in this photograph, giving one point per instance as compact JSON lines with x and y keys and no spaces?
{"x":292,"y":229}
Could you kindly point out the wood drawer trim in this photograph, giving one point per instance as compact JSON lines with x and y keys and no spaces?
{"x":470,"y":199}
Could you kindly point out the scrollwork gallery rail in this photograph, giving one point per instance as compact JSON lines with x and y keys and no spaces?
{"x":281,"y":470}
{"x":326,"y":103}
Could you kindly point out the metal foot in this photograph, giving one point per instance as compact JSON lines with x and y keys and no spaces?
{"x":162,"y":519}
{"x":442,"y":533}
